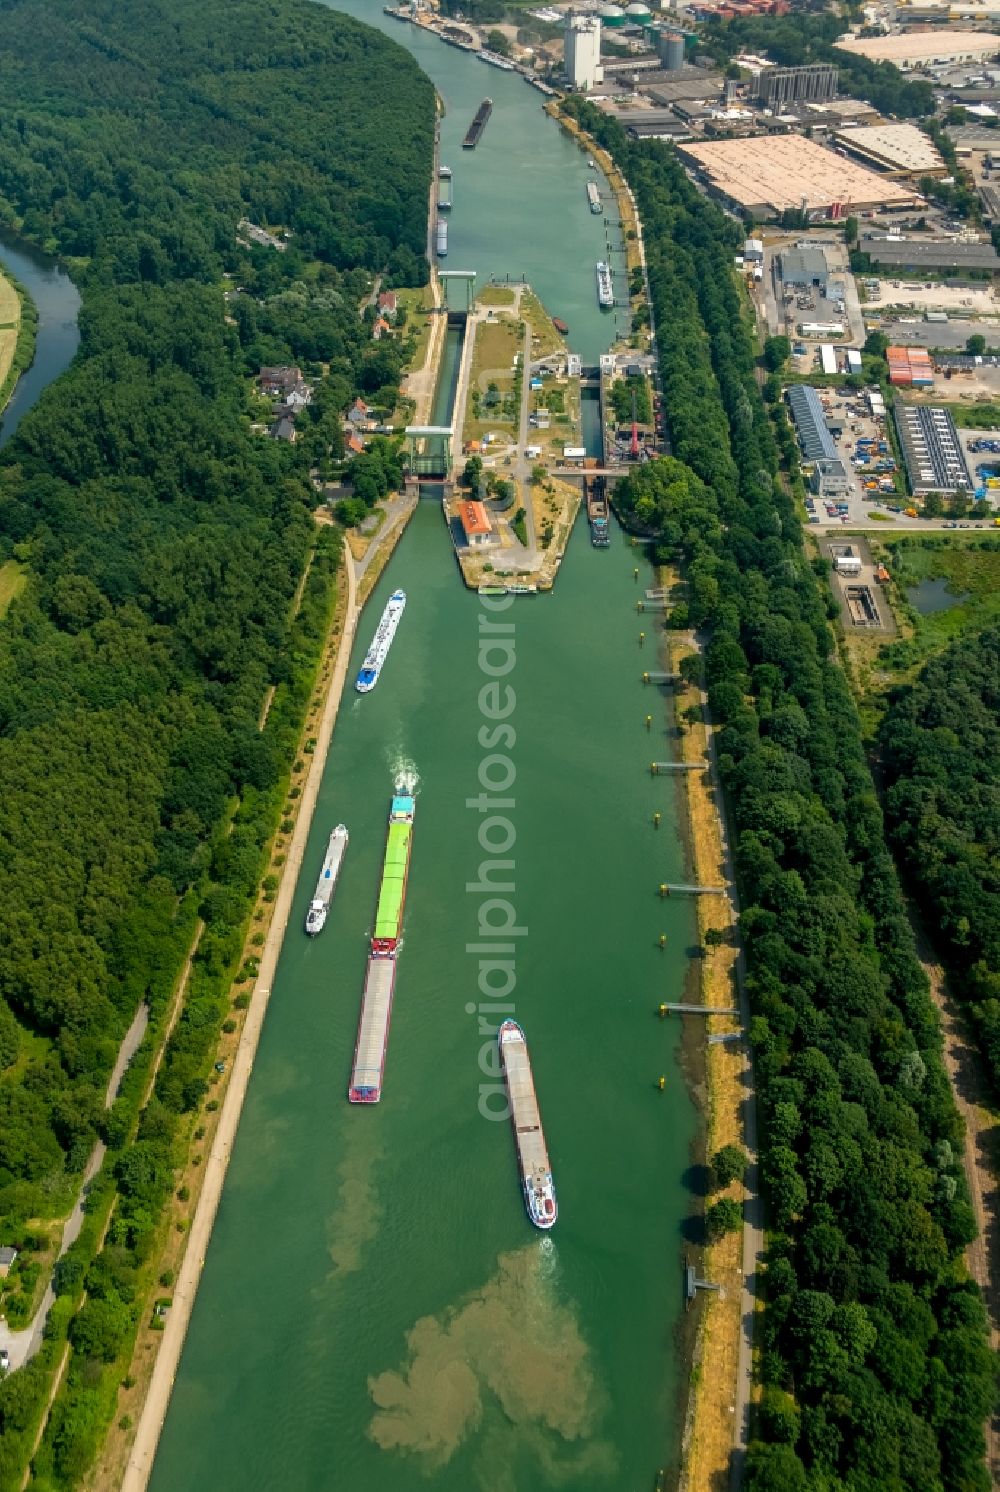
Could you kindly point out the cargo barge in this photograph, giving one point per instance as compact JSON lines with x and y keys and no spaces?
{"x":327,"y":883}
{"x":532,"y":1156}
{"x":478,"y":124}
{"x":597,"y":513}
{"x":380,"y":976}
{"x":442,"y":238}
{"x":377,"y":653}
{"x":594,"y":198}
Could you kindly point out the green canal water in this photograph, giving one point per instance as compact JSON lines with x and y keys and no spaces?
{"x":375,"y":1309}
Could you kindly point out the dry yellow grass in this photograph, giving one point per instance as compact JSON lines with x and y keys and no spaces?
{"x":10,"y":304}
{"x":8,"y":345}
{"x":708,"y":1436}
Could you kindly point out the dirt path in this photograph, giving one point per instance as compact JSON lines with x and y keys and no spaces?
{"x":982,"y":1163}
{"x":140,"y":1462}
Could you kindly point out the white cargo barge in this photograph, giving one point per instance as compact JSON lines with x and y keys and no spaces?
{"x":327,"y":883}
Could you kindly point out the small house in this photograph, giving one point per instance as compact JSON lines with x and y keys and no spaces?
{"x":359,"y":413}
{"x":475,"y":525}
{"x":388,"y":305}
{"x":7,"y":1257}
{"x":283,"y":429}
{"x":354,"y":444}
{"x":380,"y":329}
{"x":277,"y":383}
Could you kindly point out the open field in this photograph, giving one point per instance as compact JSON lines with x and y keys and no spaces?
{"x":544,"y":337}
{"x":13,"y":579}
{"x":495,"y":295}
{"x":8,"y":344}
{"x":10,"y":305}
{"x":419,"y":306}
{"x":493,"y":363}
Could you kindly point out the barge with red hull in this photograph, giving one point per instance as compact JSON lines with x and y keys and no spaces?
{"x":380,"y":977}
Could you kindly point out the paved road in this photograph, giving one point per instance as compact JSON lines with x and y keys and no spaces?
{"x":22,"y":1345}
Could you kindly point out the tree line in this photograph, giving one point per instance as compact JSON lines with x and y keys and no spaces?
{"x":940,"y":747}
{"x":874,"y":1359}
{"x":164,"y":539}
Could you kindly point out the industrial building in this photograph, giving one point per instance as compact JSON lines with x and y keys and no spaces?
{"x":935,"y":461}
{"x":924,"y":48}
{"x":753,"y":251}
{"x":789,"y":172}
{"x":582,"y":52}
{"x":846,"y":559}
{"x":813,"y":83}
{"x":829,"y":478}
{"x":899,"y":149}
{"x":942,"y":255}
{"x":804,"y":268}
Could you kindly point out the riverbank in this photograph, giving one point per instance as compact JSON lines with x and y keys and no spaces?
{"x":18,"y":330}
{"x":126,"y":1462}
{"x":708,"y":1428}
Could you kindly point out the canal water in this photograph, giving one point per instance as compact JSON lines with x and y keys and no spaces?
{"x":58,"y":303}
{"x":375,"y":1309}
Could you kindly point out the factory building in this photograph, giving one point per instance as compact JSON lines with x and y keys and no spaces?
{"x":813,"y":83}
{"x":829,"y":478}
{"x":946,"y":256}
{"x":582,"y":52}
{"x":935,"y":461}
{"x":810,"y":423}
{"x":805,"y":268}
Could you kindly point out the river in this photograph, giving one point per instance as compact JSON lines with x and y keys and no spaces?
{"x":375,"y":1309}
{"x":57,"y":301}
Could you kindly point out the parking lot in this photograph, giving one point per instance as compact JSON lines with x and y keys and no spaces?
{"x":983,"y":461}
{"x":852,"y":412}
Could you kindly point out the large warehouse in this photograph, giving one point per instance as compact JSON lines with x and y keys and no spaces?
{"x":924,"y":48}
{"x":768,"y":176}
{"x":944,"y":255}
{"x":900,"y":149}
{"x":935,"y":461}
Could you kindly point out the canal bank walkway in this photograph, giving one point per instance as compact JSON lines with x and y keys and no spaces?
{"x":140,"y":1462}
{"x":23,"y":1344}
{"x":753,"y":1207}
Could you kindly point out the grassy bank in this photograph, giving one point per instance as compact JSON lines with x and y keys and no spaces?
{"x":18,"y":333}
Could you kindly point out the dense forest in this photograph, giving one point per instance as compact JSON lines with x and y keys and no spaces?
{"x":874,"y":1358}
{"x":794,"y":40}
{"x":164,"y":540}
{"x":940,"y":746}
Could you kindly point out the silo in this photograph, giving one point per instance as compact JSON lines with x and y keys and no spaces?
{"x":671,"y":51}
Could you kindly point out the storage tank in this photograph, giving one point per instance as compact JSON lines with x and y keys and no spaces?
{"x":671,"y":51}
{"x":612,"y":16}
{"x":638,"y":14}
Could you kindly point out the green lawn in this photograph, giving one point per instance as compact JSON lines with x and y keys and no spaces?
{"x":13,"y":579}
